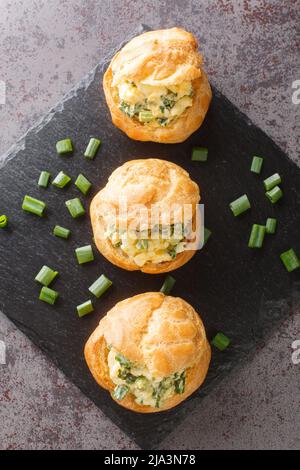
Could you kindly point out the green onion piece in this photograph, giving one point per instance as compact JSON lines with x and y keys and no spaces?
{"x":61,"y":180}
{"x":3,"y":221}
{"x":85,"y":308}
{"x":207,"y":234}
{"x":271,"y":226}
{"x":256,"y":165}
{"x":199,"y":154}
{"x":44,"y":179}
{"x":30,"y":204}
{"x":240,"y":205}
{"x":75,"y":207}
{"x":46,"y":276}
{"x":48,"y":295}
{"x":100,"y":286}
{"x":64,"y":146}
{"x":92,"y":148}
{"x":220,"y":341}
{"x":120,"y":391}
{"x":83,"y":184}
{"x":272,"y":181}
{"x":257,"y":236}
{"x":61,"y":232}
{"x":274,"y":195}
{"x":168,"y":285}
{"x":145,"y":116}
{"x":290,"y":260}
{"x":84,"y":254}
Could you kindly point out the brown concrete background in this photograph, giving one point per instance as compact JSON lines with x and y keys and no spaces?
{"x":252,"y":54}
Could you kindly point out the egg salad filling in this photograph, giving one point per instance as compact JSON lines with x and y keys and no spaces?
{"x":130,"y":377}
{"x":154,"y":105}
{"x":163,"y":243}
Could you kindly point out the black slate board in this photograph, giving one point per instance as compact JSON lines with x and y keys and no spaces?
{"x":242,"y":292}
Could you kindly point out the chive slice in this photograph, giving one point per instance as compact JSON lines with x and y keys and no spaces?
{"x":272,"y":181}
{"x":75,"y":207}
{"x":199,"y":154}
{"x":46,"y":276}
{"x":274,"y":194}
{"x":85,"y":308}
{"x":271,"y":226}
{"x":257,"y":236}
{"x":221,"y":341}
{"x":168,"y":285}
{"x":207,"y":234}
{"x":83,"y":184}
{"x":92,"y":148}
{"x":120,"y":391}
{"x":290,"y":260}
{"x":30,"y":204}
{"x":61,"y":232}
{"x":64,"y":146}
{"x":256,"y":165}
{"x":100,"y":286}
{"x":145,"y":116}
{"x":48,"y":295}
{"x":61,"y":180}
{"x":3,"y":221}
{"x":44,"y":179}
{"x":240,"y":205}
{"x":84,"y":254}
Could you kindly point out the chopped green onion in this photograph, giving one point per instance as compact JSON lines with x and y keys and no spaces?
{"x":142,"y":244}
{"x":83,"y":184}
{"x":84,"y":254}
{"x":145,"y":116}
{"x":30,"y":204}
{"x":75,"y":207}
{"x":168,"y":285}
{"x":3,"y":221}
{"x":256,"y":165}
{"x":199,"y":154}
{"x":64,"y":146}
{"x":46,"y":276}
{"x":85,"y":308}
{"x":272,"y":181}
{"x":271,"y":226}
{"x":61,"y":232}
{"x":257,"y":236}
{"x":44,"y":179}
{"x":220,"y":341}
{"x":100,"y":286}
{"x":240,"y":205}
{"x":61,"y":180}
{"x":48,"y":295}
{"x":207,"y":234}
{"x":274,"y":195}
{"x":290,"y":260}
{"x":92,"y":148}
{"x":120,"y":391}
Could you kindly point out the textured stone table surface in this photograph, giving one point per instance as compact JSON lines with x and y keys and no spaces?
{"x":252,"y":54}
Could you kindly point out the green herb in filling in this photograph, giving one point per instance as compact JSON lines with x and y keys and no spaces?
{"x":121,"y":391}
{"x":123,"y":361}
{"x":179,"y":382}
